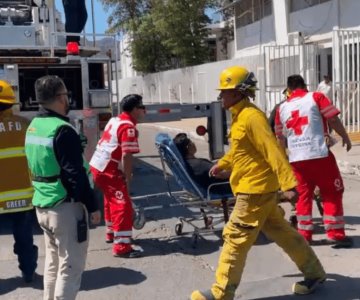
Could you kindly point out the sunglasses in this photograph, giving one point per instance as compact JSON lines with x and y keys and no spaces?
{"x":141,"y":107}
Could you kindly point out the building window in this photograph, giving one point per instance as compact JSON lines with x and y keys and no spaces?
{"x":250,"y":11}
{"x":301,"y":4}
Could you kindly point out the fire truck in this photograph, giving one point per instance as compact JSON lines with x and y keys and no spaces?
{"x":33,"y":44}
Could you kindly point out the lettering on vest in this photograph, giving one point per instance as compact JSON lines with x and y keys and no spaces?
{"x":296,"y":122}
{"x":10,"y":126}
{"x":15,"y":204}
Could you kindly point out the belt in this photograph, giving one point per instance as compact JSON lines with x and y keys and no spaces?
{"x":48,"y":179}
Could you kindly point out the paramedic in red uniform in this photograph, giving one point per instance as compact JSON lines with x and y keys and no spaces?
{"x":301,"y":122}
{"x":111,"y":166}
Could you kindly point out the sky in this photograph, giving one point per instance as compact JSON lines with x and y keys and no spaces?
{"x":100,"y":16}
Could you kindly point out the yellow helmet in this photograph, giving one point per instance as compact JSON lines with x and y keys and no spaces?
{"x":7,"y":95}
{"x":238,"y":78}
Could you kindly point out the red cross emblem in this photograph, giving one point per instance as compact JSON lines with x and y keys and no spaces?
{"x":296,"y":122}
{"x":106,"y":135}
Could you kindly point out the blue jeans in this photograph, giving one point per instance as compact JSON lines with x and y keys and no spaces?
{"x":24,"y":247}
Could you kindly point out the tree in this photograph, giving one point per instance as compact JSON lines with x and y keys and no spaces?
{"x":148,"y":52}
{"x":182,"y":24}
{"x":123,"y":12}
{"x":164,"y":34}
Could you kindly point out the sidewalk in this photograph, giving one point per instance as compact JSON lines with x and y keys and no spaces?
{"x":348,"y":162}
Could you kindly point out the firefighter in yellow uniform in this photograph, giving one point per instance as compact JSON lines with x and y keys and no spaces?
{"x":259,"y":168}
{"x":15,"y":184}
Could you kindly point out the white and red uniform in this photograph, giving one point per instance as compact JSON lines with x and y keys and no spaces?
{"x":120,"y":136}
{"x":301,"y":119}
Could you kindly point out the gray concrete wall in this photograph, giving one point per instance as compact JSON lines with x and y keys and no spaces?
{"x":188,"y":85}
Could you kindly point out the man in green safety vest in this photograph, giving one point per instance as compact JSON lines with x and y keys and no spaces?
{"x":62,"y":192}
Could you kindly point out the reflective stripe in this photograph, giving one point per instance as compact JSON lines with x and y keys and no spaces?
{"x":129,"y":144}
{"x":37,"y":140}
{"x":330,"y":107}
{"x":304,"y":218}
{"x":123,"y":233}
{"x":122,"y":241}
{"x":334,"y":226}
{"x":16,"y":194}
{"x":330,"y":113}
{"x":12,"y":152}
{"x":305,"y":227}
{"x":333,"y":218}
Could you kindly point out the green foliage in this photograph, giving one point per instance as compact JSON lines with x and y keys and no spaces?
{"x":164,"y":34}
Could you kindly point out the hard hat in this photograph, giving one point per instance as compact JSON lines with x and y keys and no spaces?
{"x":7,"y":95}
{"x":238,"y":78}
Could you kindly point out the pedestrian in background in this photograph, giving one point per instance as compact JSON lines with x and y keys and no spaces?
{"x":301,"y":123}
{"x":63,"y":195}
{"x":325,"y":87}
{"x":112,"y":167}
{"x":15,"y":185}
{"x":259,"y":168}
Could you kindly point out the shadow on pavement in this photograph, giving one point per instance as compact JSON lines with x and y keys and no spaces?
{"x":10,"y":284}
{"x":336,"y":287}
{"x":107,"y":276}
{"x":182,"y":244}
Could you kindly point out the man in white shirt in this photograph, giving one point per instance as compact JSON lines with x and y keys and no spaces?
{"x":325,"y":87}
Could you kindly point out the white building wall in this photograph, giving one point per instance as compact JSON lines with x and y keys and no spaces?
{"x":188,"y":85}
{"x":253,"y":36}
{"x":318,"y":19}
{"x":125,"y":59}
{"x":349,"y":13}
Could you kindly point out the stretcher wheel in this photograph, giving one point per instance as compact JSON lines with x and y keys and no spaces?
{"x":178,"y":228}
{"x":139,"y":219}
{"x":194,"y":240}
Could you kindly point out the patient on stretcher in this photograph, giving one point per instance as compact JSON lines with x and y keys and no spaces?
{"x":199,"y":168}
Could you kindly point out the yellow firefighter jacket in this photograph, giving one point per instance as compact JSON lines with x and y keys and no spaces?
{"x":15,"y":183}
{"x":258,"y":165}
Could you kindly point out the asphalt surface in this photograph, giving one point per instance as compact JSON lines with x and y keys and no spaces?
{"x":171,"y":268}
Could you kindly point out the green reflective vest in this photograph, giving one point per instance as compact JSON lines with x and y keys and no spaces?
{"x":45,"y":170}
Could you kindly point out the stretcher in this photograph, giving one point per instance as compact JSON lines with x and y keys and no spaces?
{"x":214,"y":208}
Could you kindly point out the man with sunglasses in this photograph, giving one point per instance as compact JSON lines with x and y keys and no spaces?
{"x":111,"y":166}
{"x":62,"y":192}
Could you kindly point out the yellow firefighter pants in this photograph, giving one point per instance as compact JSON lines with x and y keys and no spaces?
{"x":252,"y":214}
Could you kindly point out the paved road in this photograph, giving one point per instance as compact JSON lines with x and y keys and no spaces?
{"x":171,"y":268}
